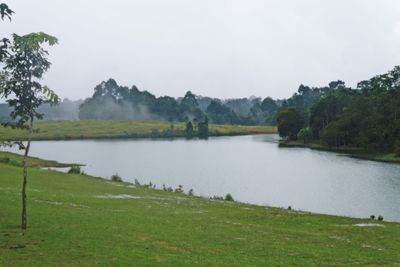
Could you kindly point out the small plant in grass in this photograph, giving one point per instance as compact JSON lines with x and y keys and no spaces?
{"x":149,"y":185}
{"x":167,"y":189}
{"x":179,"y":189}
{"x":191,"y":192}
{"x":5,"y":160}
{"x":217,"y":198}
{"x":229,"y":197}
{"x":116,"y":178}
{"x":75,"y":170}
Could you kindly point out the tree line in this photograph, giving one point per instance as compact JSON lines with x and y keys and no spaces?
{"x":366,"y":117}
{"x":111,"y":101}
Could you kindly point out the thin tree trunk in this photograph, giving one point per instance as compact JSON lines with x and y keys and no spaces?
{"x":25,"y":174}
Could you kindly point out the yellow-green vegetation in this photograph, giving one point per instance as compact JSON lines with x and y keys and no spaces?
{"x":61,"y":130}
{"x":351,"y":151}
{"x":78,"y":220}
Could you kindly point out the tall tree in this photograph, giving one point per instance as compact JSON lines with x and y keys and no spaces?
{"x":24,"y":63}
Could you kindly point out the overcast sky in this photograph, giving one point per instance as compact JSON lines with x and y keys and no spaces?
{"x":218,"y":48}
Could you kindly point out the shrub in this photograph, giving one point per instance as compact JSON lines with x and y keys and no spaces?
{"x":5,"y":160}
{"x":179,"y":189}
{"x":167,"y":189}
{"x":305,"y":135}
{"x":75,"y":170}
{"x":191,"y":192}
{"x":116,"y":178}
{"x":229,"y":197}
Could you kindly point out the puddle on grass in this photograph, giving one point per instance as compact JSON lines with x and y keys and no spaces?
{"x":369,"y":225}
{"x":121,"y":196}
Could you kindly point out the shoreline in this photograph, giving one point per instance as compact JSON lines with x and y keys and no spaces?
{"x":349,"y":152}
{"x":87,"y":130}
{"x":52,"y":165}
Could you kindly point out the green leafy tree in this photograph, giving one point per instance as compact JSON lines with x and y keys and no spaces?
{"x":24,"y":64}
{"x":189,"y":106}
{"x":290,"y":121}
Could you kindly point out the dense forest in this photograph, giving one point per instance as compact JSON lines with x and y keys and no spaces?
{"x":366,"y":117}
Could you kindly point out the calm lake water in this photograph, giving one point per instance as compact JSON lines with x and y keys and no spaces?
{"x":252,"y":168}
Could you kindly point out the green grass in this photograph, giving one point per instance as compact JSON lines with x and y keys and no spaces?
{"x":62,"y":130}
{"x":69,"y":226}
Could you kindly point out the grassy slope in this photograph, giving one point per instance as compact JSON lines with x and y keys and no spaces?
{"x":59,"y":130}
{"x":16,"y":160}
{"x":353,"y":152}
{"x":69,"y":226}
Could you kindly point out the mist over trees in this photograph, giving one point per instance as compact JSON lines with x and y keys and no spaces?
{"x":111,"y":101}
{"x":65,"y":110}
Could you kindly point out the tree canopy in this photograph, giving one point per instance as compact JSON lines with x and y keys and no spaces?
{"x":365,"y":117}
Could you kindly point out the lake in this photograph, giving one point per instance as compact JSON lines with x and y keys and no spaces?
{"x":252,"y":168}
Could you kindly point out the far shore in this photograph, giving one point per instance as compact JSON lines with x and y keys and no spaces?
{"x":92,"y":129}
{"x":348,"y":151}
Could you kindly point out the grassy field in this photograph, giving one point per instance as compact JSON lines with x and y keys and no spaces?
{"x":78,"y":220}
{"x":62,"y":130}
{"x":351,"y":151}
